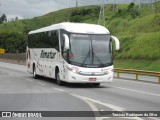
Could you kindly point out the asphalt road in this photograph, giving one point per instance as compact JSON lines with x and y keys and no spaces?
{"x":20,"y":92}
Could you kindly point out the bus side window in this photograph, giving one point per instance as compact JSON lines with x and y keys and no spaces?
{"x":56,"y":38}
{"x":52,"y":40}
{"x":49,"y":40}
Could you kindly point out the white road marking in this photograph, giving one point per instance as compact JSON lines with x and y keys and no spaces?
{"x":101,"y":103}
{"x":93,"y":107}
{"x":116,"y":108}
{"x":41,"y":84}
{"x":29,"y":80}
{"x":135,"y":90}
{"x":105,"y":117}
{"x":59,"y":89}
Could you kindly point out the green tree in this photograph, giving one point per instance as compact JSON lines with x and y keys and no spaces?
{"x":130,"y":6}
{"x":3,"y":18}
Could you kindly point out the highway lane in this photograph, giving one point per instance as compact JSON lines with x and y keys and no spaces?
{"x":121,"y":95}
{"x":20,"y":92}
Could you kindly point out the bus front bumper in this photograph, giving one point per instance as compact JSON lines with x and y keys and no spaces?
{"x":77,"y":78}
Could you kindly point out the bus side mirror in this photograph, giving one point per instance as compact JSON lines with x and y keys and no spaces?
{"x":117,"y":44}
{"x":66,"y":42}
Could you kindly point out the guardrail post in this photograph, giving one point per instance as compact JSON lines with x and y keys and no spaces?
{"x":136,"y":76}
{"x":118,"y":74}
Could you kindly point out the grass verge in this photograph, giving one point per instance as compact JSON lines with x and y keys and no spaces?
{"x":148,"y":65}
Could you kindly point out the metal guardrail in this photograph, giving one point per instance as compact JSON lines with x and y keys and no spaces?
{"x":137,"y":73}
{"x":16,"y":58}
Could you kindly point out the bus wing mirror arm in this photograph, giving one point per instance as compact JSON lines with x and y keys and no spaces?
{"x":117,"y":43}
{"x":66,"y":43}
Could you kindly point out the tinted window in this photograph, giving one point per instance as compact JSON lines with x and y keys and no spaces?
{"x":48,"y":39}
{"x":52,"y":39}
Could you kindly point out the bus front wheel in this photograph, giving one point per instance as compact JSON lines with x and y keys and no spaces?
{"x":58,"y":78}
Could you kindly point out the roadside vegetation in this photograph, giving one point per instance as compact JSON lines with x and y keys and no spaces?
{"x":138,"y":31}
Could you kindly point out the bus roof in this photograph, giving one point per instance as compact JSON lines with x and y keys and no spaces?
{"x":74,"y":28}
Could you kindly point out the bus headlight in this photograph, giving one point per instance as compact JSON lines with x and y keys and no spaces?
{"x":73,"y":69}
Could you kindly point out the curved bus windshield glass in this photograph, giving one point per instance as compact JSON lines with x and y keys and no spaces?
{"x":90,"y":50}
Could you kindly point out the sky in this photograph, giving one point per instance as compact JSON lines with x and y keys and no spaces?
{"x":34,"y":8}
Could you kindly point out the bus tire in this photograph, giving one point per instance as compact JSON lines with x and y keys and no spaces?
{"x":35,"y":76}
{"x":58,"y":78}
{"x":96,"y":84}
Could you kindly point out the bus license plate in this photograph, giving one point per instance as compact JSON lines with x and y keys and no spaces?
{"x":92,"y":79}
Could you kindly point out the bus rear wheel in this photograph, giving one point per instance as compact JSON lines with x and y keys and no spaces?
{"x":35,"y":76}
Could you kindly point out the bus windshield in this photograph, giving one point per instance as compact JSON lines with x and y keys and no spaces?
{"x":90,"y":50}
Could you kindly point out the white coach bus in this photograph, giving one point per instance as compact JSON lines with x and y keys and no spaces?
{"x":72,"y":52}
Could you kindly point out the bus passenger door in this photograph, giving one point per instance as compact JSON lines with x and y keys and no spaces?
{"x":62,"y":56}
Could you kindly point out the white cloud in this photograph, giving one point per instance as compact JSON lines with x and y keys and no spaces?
{"x":31,"y":8}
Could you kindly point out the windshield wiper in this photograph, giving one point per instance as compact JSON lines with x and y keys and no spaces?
{"x":85,"y":59}
{"x":101,"y":63}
